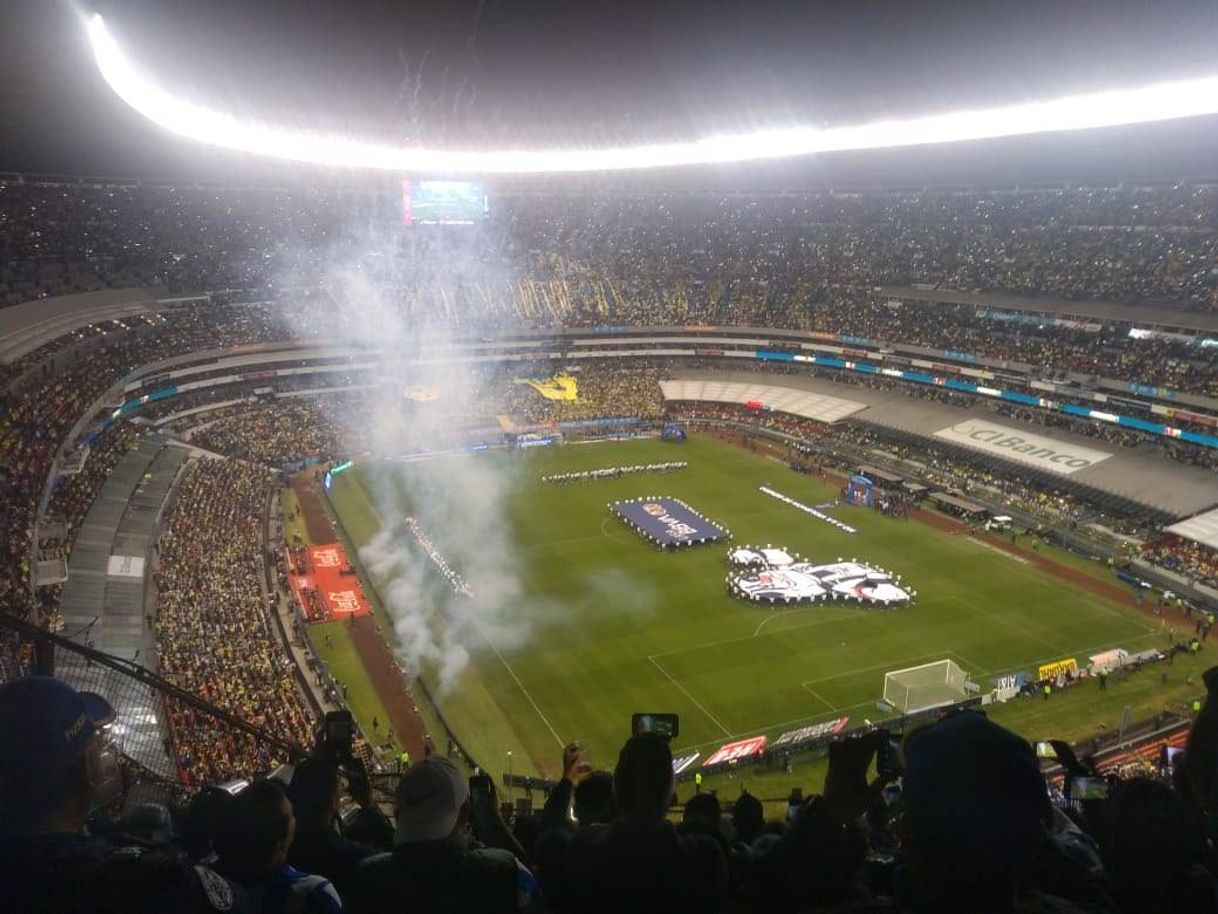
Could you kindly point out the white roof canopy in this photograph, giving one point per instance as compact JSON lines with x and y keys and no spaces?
{"x":803,"y":403}
{"x":1203,"y":528}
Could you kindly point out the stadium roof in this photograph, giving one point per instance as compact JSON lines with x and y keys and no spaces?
{"x":1202,"y":528}
{"x":796,"y":402}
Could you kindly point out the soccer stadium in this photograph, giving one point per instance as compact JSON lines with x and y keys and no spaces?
{"x":660,"y":516}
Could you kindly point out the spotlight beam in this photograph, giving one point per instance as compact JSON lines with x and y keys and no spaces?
{"x":1156,"y":102}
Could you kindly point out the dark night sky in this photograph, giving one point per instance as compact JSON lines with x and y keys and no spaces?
{"x":532,"y":71}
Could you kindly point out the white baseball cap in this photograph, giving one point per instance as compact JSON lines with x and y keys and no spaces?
{"x":429,"y":798}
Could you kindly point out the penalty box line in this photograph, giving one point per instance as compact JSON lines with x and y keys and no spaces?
{"x":525,"y":692}
{"x":929,"y":658}
{"x":697,"y":704}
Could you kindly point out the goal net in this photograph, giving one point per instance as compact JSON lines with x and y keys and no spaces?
{"x":927,"y":686}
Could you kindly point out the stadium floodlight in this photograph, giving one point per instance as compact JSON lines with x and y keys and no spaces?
{"x":1156,"y":102}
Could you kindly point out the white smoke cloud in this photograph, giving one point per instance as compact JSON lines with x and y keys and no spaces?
{"x":460,"y":500}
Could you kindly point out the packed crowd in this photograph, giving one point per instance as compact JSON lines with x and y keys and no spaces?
{"x":1185,"y":557}
{"x":603,"y":392}
{"x":214,"y":635}
{"x":36,"y":418}
{"x":71,"y":499}
{"x":810,"y":262}
{"x":960,"y":817}
{"x":807,"y":262}
{"x":785,"y":423}
{"x":275,"y":433}
{"x":1138,"y":243}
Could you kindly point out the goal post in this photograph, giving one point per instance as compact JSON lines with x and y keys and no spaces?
{"x":930,"y":685}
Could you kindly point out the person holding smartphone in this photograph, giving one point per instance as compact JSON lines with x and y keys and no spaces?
{"x":435,"y":865}
{"x":640,"y":859}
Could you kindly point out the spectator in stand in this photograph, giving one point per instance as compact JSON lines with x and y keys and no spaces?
{"x":252,"y":842}
{"x":57,"y":772}
{"x":319,"y":845}
{"x":640,"y":862}
{"x":434,"y":865}
{"x":976,"y":821}
{"x":278,"y":432}
{"x":1156,"y":850}
{"x":594,"y":804}
{"x":214,"y":633}
{"x":1184,"y":557}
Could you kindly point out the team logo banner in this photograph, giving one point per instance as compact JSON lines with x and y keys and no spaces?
{"x":814,"y":731}
{"x":745,"y":748}
{"x":1023,"y":447}
{"x":774,"y":575}
{"x":560,"y":387}
{"x":325,"y":584}
{"x":668,"y":522}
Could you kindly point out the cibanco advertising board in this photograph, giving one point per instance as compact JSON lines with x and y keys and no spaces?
{"x":1061,"y":457}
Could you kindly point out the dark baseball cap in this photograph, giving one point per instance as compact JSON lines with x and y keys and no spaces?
{"x":45,"y":724}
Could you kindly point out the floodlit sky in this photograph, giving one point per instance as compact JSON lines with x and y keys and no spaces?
{"x":525,"y":73}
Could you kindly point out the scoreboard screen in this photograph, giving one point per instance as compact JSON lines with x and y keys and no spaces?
{"x":443,"y":203}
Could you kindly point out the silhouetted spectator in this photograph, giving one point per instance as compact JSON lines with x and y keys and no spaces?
{"x":1155,"y":850}
{"x":640,"y":862}
{"x":434,"y":865}
{"x":318,"y":846}
{"x":976,"y":814}
{"x":56,"y":771}
{"x":252,"y":844}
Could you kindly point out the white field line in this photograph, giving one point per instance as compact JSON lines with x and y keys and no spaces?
{"x":1004,"y":620}
{"x":770,"y":618}
{"x":807,"y":509}
{"x":701,"y":707}
{"x":915,"y":661}
{"x":545,"y":720}
{"x":721,"y":641}
{"x":1002,"y":552}
{"x":821,"y":698}
{"x":498,"y":653}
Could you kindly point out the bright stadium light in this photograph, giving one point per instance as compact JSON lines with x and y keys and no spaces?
{"x":1157,"y":102}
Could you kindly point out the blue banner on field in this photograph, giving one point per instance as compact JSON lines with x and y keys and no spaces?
{"x":668,"y":522}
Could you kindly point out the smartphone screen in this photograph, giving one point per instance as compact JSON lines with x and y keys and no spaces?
{"x":1088,"y":788}
{"x":666,"y":726}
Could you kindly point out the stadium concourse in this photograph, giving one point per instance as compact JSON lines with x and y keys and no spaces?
{"x":157,"y":392}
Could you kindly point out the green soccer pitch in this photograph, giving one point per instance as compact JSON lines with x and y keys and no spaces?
{"x":627,"y":628}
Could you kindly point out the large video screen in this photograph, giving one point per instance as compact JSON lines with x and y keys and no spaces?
{"x":443,"y":203}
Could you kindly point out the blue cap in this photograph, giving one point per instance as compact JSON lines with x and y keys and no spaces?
{"x":45,"y":724}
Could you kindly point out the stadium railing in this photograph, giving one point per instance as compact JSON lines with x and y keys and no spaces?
{"x":140,"y":698}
